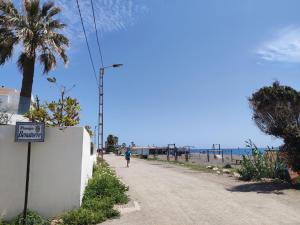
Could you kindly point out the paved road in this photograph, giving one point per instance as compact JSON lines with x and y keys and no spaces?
{"x":163,"y":194}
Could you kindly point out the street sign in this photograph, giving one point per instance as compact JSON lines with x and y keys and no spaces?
{"x":29,"y":132}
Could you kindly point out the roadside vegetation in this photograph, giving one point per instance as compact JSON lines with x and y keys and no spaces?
{"x":104,"y":190}
{"x":276,"y":112}
{"x":258,"y":165}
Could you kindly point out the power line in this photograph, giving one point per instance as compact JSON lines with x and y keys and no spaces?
{"x":98,"y":42}
{"x":87,"y":43}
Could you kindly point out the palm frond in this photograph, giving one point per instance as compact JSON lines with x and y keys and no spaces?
{"x":9,"y":15}
{"x":46,"y":7}
{"x":48,"y":61}
{"x":7,"y":42}
{"x":64,"y":56}
{"x":54,"y":11}
{"x":32,"y":8}
{"x":7,"y":7}
{"x":60,"y":40}
{"x":55,"y":24}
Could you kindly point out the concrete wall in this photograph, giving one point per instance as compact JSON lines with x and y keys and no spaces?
{"x":60,"y":169}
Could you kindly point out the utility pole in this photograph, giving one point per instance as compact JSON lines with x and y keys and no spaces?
{"x":101,"y":106}
{"x":101,"y":112}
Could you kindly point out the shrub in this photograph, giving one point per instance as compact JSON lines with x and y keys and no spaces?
{"x":257,"y":165}
{"x":32,"y":218}
{"x":104,"y":205}
{"x":105,"y":184}
{"x":102,"y":192}
{"x":83,"y":217}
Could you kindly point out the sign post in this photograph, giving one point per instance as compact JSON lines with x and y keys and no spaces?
{"x":29,"y":132}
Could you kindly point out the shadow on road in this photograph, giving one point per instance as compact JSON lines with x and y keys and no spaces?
{"x":264,"y":188}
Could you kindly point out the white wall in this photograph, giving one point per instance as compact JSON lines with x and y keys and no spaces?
{"x":60,"y":169}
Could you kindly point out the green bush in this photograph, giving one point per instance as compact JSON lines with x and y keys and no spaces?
{"x":83,"y":217}
{"x":1,"y":222}
{"x":102,"y":192}
{"x":257,"y":165}
{"x":105,"y":184}
{"x":104,"y":205}
{"x":32,"y":218}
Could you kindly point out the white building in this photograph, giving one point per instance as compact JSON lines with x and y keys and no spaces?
{"x":9,"y":101}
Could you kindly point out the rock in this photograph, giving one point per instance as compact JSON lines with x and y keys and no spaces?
{"x":237,"y":175}
{"x":218,"y":157}
{"x":215,"y":168}
{"x":267,"y":180}
{"x":226,"y":171}
{"x":209,"y":167}
{"x":57,"y":222}
{"x":227,"y":166}
{"x":218,"y":172}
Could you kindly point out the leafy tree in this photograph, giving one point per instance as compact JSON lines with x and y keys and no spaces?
{"x":111,"y":143}
{"x":39,"y":113}
{"x":36,"y":29}
{"x":276,"y":111}
{"x":65,"y":112}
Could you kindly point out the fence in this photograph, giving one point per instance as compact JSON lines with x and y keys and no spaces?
{"x":206,"y":157}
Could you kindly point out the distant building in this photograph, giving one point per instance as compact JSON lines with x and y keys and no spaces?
{"x":9,"y":101}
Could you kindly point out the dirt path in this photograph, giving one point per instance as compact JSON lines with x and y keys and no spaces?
{"x":164,"y":194}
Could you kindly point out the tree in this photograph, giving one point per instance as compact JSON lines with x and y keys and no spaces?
{"x":276,"y":111}
{"x":111,"y":143}
{"x":38,"y":113}
{"x":36,"y":29}
{"x":63,"y":113}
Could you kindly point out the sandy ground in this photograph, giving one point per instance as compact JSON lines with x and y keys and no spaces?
{"x":164,"y":194}
{"x":202,"y":159}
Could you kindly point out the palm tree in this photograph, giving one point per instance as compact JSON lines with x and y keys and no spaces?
{"x":35,"y":29}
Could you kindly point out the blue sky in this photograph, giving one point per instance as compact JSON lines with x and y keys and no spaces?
{"x":189,"y":67}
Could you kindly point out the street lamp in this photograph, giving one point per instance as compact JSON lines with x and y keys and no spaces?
{"x":101,"y":112}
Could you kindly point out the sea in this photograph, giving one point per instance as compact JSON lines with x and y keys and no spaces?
{"x":227,"y":151}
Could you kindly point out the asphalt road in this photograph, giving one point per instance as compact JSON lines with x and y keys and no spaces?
{"x":164,"y":194}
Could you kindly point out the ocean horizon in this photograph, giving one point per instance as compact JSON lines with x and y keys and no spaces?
{"x":235,"y":151}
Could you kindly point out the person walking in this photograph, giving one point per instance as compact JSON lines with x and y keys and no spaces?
{"x":127,"y":156}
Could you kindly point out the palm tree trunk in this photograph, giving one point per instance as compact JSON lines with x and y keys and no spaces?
{"x":26,"y":90}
